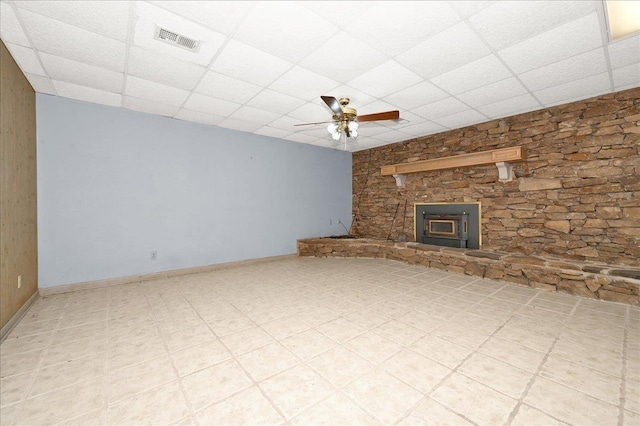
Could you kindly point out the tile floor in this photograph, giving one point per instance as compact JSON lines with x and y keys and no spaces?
{"x":322,"y":341}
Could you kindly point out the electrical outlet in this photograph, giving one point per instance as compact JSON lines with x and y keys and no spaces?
{"x":19,"y":281}
{"x":154,"y":255}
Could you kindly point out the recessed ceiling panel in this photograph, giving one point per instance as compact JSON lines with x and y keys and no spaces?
{"x":150,"y":90}
{"x":221,"y":16}
{"x":87,"y":94}
{"x":501,"y":109}
{"x":27,"y":59}
{"x":164,"y":69}
{"x":223,"y":87}
{"x":476,"y":74}
{"x":150,"y":107}
{"x":210,"y":105}
{"x":10,"y":28}
{"x":79,"y":73}
{"x":304,"y":84}
{"x":494,"y":92}
{"x":385,"y":79}
{"x":598,"y":83}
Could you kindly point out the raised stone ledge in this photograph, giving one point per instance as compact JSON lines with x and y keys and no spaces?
{"x":587,"y":279}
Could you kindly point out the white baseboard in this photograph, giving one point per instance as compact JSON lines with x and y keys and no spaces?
{"x":4,"y":332}
{"x":47,"y":291}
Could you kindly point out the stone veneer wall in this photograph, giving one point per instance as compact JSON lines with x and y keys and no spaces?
{"x":576,"y":196}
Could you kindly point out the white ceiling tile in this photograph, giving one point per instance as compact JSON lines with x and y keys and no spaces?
{"x":312,"y":112}
{"x":507,"y":22}
{"x":470,"y":7}
{"x":559,"y":43}
{"x":58,"y":38}
{"x":510,"y":107}
{"x":445,"y":51}
{"x":395,"y":26}
{"x":89,"y":15}
{"x":223,"y":87}
{"x":342,"y":58}
{"x":150,"y":90}
{"x":299,"y":137}
{"x":284,"y":29}
{"x":304,"y":84}
{"x":254,"y":115}
{"x":239,"y":60}
{"x":440,"y":108}
{"x":26,"y":59}
{"x":624,"y":52}
{"x":198,"y":117}
{"x":319,"y":131}
{"x":385,"y":79}
{"x":397,"y":136}
{"x":41,"y":84}
{"x":627,"y":76}
{"x":415,"y":96}
{"x":273,"y":101}
{"x":494,"y":92}
{"x":164,"y":69}
{"x":286,"y":123}
{"x":356,"y":97}
{"x":576,"y":67}
{"x":222,"y":16}
{"x":150,"y":16}
{"x":88,"y":94}
{"x":150,"y":107}
{"x":475,"y":74}
{"x":460,"y":119}
{"x":240,"y":125}
{"x":62,"y":69}
{"x":421,"y":129}
{"x":210,"y":105}
{"x":574,"y":89}
{"x":10,"y":29}
{"x":349,"y":10}
{"x":272,"y":132}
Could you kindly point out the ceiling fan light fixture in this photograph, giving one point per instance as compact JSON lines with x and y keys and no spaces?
{"x":353,"y":126}
{"x":354,"y":134}
{"x":332,"y":128}
{"x":335,"y":136}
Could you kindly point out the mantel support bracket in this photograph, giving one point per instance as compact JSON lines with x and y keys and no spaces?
{"x":400,"y":180}
{"x":505,"y":171}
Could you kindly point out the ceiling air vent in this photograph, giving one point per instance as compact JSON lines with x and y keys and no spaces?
{"x":176,"y":39}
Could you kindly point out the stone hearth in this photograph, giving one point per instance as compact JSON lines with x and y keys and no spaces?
{"x":582,"y":278}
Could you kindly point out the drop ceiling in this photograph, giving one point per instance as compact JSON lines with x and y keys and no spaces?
{"x":261,"y":67}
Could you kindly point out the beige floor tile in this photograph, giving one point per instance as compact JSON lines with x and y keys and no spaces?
{"x":93,"y":418}
{"x":367,"y":318}
{"x":183,"y":339}
{"x":528,"y":416}
{"x":600,"y":359}
{"x":64,"y":404}
{"x":399,"y":332}
{"x":14,"y":345}
{"x":340,"y":366}
{"x":415,"y":370}
{"x":388,"y":308}
{"x":317,"y":316}
{"x":383,"y":396}
{"x":93,"y":330}
{"x":267,"y":361}
{"x":36,"y":327}
{"x":34,"y":315}
{"x":569,"y":405}
{"x":443,"y":351}
{"x":230,"y":325}
{"x":197,"y":357}
{"x":247,"y":340}
{"x":125,"y":354}
{"x":373,"y":347}
{"x":583,"y":379}
{"x":335,"y":410}
{"x":421,"y":320}
{"x":248,"y":407}
{"x":138,"y":378}
{"x":341,"y":330}
{"x":131,"y":333}
{"x":20,"y":364}
{"x":513,"y":353}
{"x":502,"y":377}
{"x":630,"y":419}
{"x":308,"y":344}
{"x":598,"y":341}
{"x":463,"y":336}
{"x":431,"y":413}
{"x":214,"y":384}
{"x":56,"y":376}
{"x":474,"y":401}
{"x":632,"y":395}
{"x":14,"y":389}
{"x":538,"y":341}
{"x":263,"y":315}
{"x":285,"y":327}
{"x":294,"y":390}
{"x":161,"y":405}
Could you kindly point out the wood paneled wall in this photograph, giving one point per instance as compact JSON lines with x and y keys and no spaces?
{"x":18,"y":188}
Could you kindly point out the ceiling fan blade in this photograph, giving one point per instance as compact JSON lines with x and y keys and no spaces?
{"x":387,"y":115}
{"x":333,"y":104}
{"x":313,"y":124}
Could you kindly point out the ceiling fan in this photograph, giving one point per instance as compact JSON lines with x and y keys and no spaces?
{"x":346,"y":119}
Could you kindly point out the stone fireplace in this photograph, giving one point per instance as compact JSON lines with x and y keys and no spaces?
{"x":448,"y":224}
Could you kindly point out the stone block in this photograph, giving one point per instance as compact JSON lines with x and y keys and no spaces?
{"x":563,"y":226}
{"x":613,"y":296}
{"x":535,"y":184}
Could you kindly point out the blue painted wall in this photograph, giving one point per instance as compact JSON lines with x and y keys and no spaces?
{"x":115,"y":185}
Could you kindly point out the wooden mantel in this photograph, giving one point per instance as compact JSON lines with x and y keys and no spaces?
{"x":500,"y":157}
